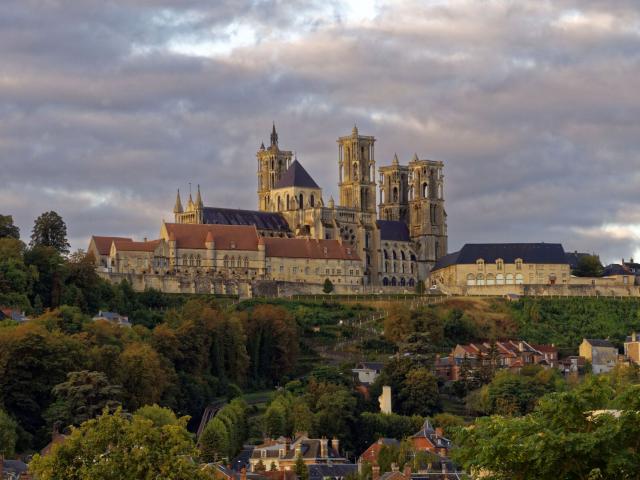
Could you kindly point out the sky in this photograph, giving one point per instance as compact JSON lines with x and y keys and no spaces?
{"x":107,"y":107}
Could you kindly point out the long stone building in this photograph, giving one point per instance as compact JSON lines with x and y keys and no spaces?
{"x":295,"y":235}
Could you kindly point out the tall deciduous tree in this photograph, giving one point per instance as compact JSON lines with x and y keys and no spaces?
{"x":49,"y":230}
{"x":588,"y":266}
{"x":7,"y":228}
{"x":113,"y":447}
{"x":8,"y":435}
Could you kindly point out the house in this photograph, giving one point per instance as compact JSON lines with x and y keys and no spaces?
{"x":512,"y":354}
{"x":367,"y":372}
{"x":602,"y":354}
{"x":332,"y":471}
{"x":428,"y":439}
{"x":572,"y":365}
{"x":7,"y":313}
{"x":13,"y":470}
{"x":282,"y":454}
{"x":112,"y":317}
{"x":370,"y":455}
{"x":632,"y":348}
{"x":619,"y":274}
{"x":440,"y":468}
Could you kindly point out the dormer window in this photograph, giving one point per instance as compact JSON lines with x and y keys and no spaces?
{"x":500,"y":264}
{"x":518,"y":264}
{"x":480,"y":264}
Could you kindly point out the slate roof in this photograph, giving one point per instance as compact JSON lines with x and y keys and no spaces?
{"x":230,"y":216}
{"x":296,"y":176}
{"x":550,"y":253}
{"x":377,"y":366}
{"x":616,"y":269}
{"x":393,"y":231}
{"x":338,"y":470}
{"x":597,"y":342}
{"x":14,"y":467}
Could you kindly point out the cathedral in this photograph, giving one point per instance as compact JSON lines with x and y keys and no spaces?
{"x":397,"y":239}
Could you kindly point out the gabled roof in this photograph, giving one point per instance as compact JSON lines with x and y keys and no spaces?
{"x":335,"y":470}
{"x":393,"y":230}
{"x":231,"y":216}
{"x":616,"y":269}
{"x":549,"y":253}
{"x":226,"y":237}
{"x":308,"y":248}
{"x":131,"y":246}
{"x":296,"y":176}
{"x":103,"y":244}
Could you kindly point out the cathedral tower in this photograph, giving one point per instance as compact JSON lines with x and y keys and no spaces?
{"x":357,"y":172}
{"x":394,"y":192}
{"x":272,"y":163}
{"x":427,"y":219}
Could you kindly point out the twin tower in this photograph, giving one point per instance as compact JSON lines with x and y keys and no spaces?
{"x":411,"y":201}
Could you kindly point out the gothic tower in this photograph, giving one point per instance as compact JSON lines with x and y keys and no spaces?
{"x":272,"y":163}
{"x":427,"y":219}
{"x":357,"y":172}
{"x":394,"y":192}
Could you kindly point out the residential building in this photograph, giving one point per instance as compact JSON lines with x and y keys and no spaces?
{"x":112,"y":317}
{"x":620,"y":274}
{"x":13,"y":470}
{"x":602,"y":354}
{"x":632,"y":348}
{"x":7,"y":313}
{"x":281,"y":454}
{"x":370,"y":455}
{"x":429,"y":439}
{"x":498,"y":267}
{"x":367,"y":372}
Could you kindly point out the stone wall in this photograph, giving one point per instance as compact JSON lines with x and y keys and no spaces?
{"x":584,"y":290}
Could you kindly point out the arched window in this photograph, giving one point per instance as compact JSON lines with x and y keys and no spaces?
{"x":500,"y":264}
{"x":382,"y":195}
{"x":394,"y":282}
{"x":246,"y":262}
{"x":402,"y":282}
{"x":386,"y":267}
{"x":491,"y":279}
{"x":288,"y":202}
{"x":192,"y":261}
{"x":185,"y":260}
{"x":440,"y":191}
{"x":279,"y":204}
{"x":425,"y":190}
{"x":233,"y":262}
{"x":471,"y":280}
{"x":402,"y":255}
{"x":300,"y":201}
{"x":412,"y":282}
{"x":385,"y":281}
{"x":480,"y":264}
{"x":403,"y":268}
{"x":519,"y":279}
{"x":225,"y":262}
{"x":312,"y":200}
{"x":395,"y":194}
{"x":500,"y":279}
{"x":386,"y":254}
{"x":509,"y":279}
{"x":395,"y":255}
{"x":518,"y":264}
{"x":480,"y":279}
{"x":199,"y":260}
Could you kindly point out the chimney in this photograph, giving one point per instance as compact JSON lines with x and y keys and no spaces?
{"x":407,"y":471}
{"x":243,"y":473}
{"x":324,"y":453}
{"x":375,"y":472}
{"x":439,"y":432}
{"x":298,"y":449}
{"x":335,"y":445}
{"x":145,"y":239}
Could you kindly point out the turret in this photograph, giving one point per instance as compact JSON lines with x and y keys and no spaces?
{"x":199,"y":203}
{"x":274,"y":135}
{"x":178,"y":207}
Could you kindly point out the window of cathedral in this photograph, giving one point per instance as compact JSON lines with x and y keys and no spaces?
{"x":480,"y":264}
{"x":385,"y":281}
{"x":312,"y":200}
{"x":425,"y":190}
{"x":500,"y":264}
{"x":519,"y":279}
{"x":500,"y":279}
{"x":480,"y":279}
{"x":509,"y":279}
{"x":300,"y":201}
{"x":518,"y":264}
{"x":394,"y":282}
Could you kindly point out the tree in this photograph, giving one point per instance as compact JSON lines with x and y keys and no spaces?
{"x":7,"y":228}
{"x":160,"y":416}
{"x":84,"y":395}
{"x":588,"y":266}
{"x":419,"y":393}
{"x":301,"y":469}
{"x":214,"y":441}
{"x":142,"y":375}
{"x":8,"y":435}
{"x":49,"y":230}
{"x":112,"y":447}
{"x":328,"y":286}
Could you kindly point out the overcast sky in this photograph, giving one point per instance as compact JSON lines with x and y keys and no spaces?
{"x":106,"y":107}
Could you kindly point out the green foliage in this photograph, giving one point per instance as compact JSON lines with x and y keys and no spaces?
{"x":214,"y":441}
{"x":160,"y":416}
{"x":588,"y":266}
{"x":8,"y":435}
{"x":7,"y":228}
{"x":372,"y":426}
{"x":112,"y":447}
{"x":448,"y":422}
{"x":561,"y":438}
{"x":49,"y":230}
{"x":224,"y":434}
{"x":328,"y":286}
{"x":302,"y":471}
{"x":84,"y":395}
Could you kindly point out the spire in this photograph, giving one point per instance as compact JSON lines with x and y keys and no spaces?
{"x":415,"y":157}
{"x":355,"y":130}
{"x":199,"y":203}
{"x":178,"y":207}
{"x":395,"y":159}
{"x":274,"y":135}
{"x":190,"y":203}
{"x":262,"y":146}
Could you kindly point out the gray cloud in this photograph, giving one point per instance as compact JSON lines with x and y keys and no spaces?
{"x":107,"y":107}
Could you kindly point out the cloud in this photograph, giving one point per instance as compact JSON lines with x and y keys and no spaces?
{"x":107,"y":108}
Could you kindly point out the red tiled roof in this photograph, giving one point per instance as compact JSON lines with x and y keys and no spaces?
{"x":241,"y":237}
{"x":103,"y":244}
{"x":131,"y":246}
{"x":545,"y":348}
{"x":308,"y":248}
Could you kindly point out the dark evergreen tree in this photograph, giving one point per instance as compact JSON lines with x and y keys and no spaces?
{"x":49,"y":230}
{"x":7,"y":228}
